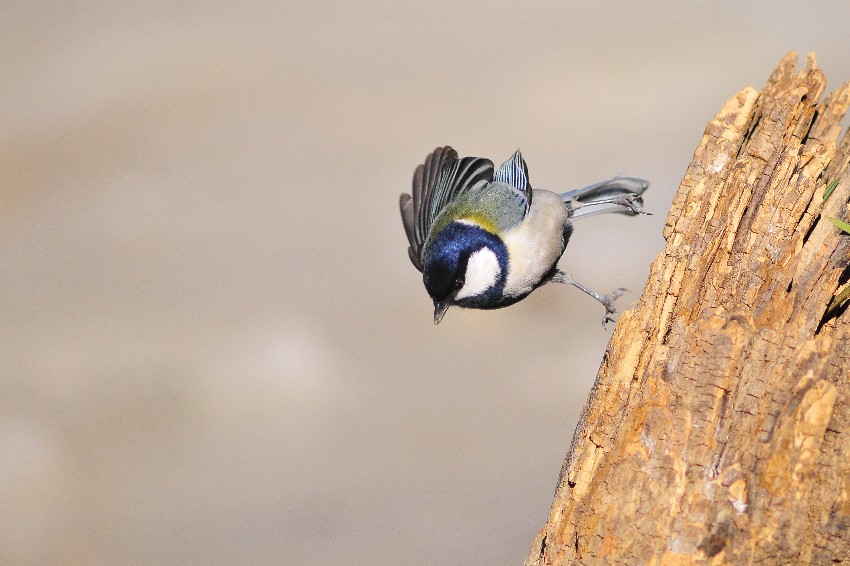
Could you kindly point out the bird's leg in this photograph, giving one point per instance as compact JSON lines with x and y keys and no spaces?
{"x":607,"y":300}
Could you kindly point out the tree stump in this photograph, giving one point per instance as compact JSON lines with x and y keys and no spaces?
{"x":718,"y":429}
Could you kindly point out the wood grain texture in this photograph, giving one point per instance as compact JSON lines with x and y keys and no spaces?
{"x":718,"y":430}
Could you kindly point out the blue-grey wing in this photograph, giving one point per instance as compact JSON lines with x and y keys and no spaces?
{"x":514,"y":173}
{"x":438,"y":181}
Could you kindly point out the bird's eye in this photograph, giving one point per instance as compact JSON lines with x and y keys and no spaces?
{"x":458,"y":284}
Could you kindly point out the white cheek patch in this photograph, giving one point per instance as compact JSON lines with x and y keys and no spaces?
{"x":482,"y":272}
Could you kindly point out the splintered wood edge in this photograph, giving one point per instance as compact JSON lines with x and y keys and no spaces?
{"x":741,"y":169}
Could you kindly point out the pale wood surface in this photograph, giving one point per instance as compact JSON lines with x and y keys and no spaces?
{"x":718,"y":430}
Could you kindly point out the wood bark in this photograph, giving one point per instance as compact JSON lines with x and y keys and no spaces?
{"x":718,"y":429}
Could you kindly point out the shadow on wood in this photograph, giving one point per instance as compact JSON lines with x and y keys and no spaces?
{"x":718,"y":430}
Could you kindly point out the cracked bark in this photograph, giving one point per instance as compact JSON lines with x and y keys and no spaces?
{"x":718,"y":429}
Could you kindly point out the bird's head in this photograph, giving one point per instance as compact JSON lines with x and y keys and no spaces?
{"x":465,"y":265}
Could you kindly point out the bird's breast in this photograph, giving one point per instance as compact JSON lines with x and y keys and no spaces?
{"x":536,"y":244}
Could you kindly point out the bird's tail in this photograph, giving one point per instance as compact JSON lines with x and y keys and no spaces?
{"x":620,"y":194}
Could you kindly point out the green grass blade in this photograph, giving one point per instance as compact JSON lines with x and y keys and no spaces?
{"x":841,"y":224}
{"x":838,"y":300}
{"x":829,"y":188}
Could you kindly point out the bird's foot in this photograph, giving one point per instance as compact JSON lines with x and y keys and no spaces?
{"x":608,"y":302}
{"x":632,"y":202}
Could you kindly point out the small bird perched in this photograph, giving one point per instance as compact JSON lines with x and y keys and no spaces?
{"x":485,"y":239}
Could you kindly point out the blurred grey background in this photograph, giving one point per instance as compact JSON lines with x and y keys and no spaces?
{"x":214,"y":347}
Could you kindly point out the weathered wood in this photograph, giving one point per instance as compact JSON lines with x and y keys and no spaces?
{"x":718,"y":430}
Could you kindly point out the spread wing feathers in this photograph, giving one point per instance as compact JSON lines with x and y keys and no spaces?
{"x":602,"y":196}
{"x":467,"y":174}
{"x":436,"y":183}
{"x":514,"y":172}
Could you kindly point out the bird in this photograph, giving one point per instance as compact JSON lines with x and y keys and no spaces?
{"x":484,"y":239}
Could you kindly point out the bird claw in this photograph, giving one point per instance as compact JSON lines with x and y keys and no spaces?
{"x":608,"y":302}
{"x":631,"y":202}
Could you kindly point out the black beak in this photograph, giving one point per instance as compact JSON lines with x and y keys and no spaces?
{"x":440,"y":309}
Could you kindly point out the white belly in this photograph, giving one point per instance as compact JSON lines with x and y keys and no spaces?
{"x":535,"y":245}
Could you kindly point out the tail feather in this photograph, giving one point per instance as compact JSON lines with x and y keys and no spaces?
{"x":601,"y":197}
